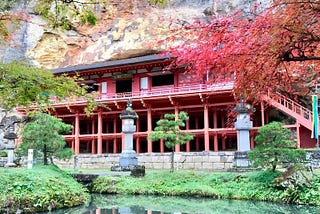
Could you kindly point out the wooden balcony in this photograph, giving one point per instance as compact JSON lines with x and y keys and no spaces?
{"x":155,"y":92}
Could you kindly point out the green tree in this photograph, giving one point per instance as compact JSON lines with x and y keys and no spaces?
{"x":24,"y":85}
{"x":62,"y":13}
{"x":274,"y":145}
{"x":44,"y":135}
{"x":168,"y":129}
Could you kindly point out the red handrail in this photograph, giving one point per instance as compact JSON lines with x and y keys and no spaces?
{"x":156,"y":91}
{"x":299,"y":112}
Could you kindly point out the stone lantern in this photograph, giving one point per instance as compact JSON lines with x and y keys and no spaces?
{"x":11,"y":136}
{"x":128,"y":157}
{"x":243,"y":125}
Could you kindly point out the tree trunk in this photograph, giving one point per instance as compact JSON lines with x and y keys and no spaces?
{"x":274,"y":163}
{"x":45,"y":160}
{"x":172,"y":160}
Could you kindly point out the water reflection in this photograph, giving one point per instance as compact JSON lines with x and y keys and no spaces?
{"x":114,"y":204}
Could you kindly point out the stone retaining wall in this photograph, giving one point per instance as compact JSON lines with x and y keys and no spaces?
{"x":209,"y":161}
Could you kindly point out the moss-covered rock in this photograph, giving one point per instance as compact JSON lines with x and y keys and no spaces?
{"x":39,"y":189}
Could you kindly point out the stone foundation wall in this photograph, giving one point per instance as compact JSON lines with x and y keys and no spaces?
{"x":209,"y":161}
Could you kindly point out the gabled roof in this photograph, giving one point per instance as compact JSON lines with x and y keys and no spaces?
{"x":115,"y":63}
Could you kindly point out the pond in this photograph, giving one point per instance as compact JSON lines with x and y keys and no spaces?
{"x":129,"y":204}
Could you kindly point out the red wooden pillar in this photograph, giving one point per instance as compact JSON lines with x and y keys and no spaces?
{"x":138,"y":145}
{"x":206,"y":128}
{"x":224,"y":135}
{"x":197,"y":138}
{"x":262,"y":114}
{"x":162,"y":141}
{"x":93,"y":141}
{"x":115,"y":150}
{"x":100,"y":132}
{"x":122,"y":136}
{"x":149,"y":118}
{"x":251,"y":141}
{"x":73,"y":139}
{"x":298,"y":135}
{"x":88,"y":145}
{"x":161,"y":145}
{"x":176,"y":112}
{"x":138,"y":149}
{"x":188,"y":142}
{"x":224,"y":142}
{"x":77,"y":134}
{"x":215,"y":125}
{"x":107,"y":141}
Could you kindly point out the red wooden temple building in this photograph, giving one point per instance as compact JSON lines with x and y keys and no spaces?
{"x":155,"y":91}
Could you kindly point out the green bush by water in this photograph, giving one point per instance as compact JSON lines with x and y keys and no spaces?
{"x":245,"y":186}
{"x":39,"y":189}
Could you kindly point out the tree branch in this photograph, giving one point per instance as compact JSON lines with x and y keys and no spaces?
{"x":79,"y":2}
{"x":299,"y":59}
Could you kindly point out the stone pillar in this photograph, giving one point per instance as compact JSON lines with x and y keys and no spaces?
{"x":243,"y":126}
{"x":30,"y":158}
{"x":128,"y":157}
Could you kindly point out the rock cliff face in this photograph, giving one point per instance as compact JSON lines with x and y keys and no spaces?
{"x":125,"y":29}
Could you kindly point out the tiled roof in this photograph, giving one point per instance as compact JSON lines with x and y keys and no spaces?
{"x":136,"y":60}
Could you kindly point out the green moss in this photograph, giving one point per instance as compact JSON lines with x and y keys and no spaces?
{"x":3,"y":153}
{"x":39,"y":189}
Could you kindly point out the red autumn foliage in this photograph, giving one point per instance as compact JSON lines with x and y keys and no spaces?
{"x":276,"y":49}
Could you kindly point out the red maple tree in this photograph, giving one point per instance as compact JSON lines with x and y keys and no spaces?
{"x":275,"y":49}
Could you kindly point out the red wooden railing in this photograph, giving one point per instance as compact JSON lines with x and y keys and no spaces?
{"x":157,"y":91}
{"x":290,"y":107}
{"x":168,"y":90}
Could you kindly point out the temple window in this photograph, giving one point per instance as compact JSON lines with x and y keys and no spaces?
{"x":123,"y":86}
{"x":161,"y":80}
{"x":143,"y":83}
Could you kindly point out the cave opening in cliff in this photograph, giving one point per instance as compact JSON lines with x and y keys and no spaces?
{"x":123,"y":86}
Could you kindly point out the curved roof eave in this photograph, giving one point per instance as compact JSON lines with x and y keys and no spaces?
{"x":106,"y":64}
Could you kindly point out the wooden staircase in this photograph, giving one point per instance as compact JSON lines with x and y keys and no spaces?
{"x":290,"y":107}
